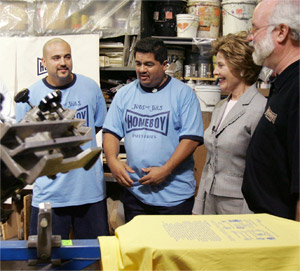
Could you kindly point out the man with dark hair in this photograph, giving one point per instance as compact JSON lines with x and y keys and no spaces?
{"x":271,"y":179}
{"x":155,"y":46}
{"x":160,"y":119}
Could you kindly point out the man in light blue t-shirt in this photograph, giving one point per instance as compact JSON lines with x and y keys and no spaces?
{"x":160,"y":119}
{"x":78,"y":197}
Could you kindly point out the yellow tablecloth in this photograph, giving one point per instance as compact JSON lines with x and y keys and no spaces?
{"x":194,"y":242}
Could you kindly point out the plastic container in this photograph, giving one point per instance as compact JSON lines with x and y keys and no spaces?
{"x":208,"y":96}
{"x":209,"y":12}
{"x":203,"y":63}
{"x":164,"y":17}
{"x":187,"y":25}
{"x":14,"y":16}
{"x":50,"y":16}
{"x":237,"y":15}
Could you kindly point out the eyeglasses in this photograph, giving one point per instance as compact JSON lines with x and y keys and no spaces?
{"x":254,"y":30}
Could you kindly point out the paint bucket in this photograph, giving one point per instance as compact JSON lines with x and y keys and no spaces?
{"x":176,"y":55}
{"x":237,"y":15}
{"x":187,"y":25}
{"x":208,"y":96}
{"x":209,"y":12}
{"x":164,"y":17}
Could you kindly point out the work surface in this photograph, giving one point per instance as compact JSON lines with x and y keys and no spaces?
{"x":223,"y":242}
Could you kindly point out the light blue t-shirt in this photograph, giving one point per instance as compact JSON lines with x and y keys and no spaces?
{"x":78,"y":186}
{"x":153,"y":125}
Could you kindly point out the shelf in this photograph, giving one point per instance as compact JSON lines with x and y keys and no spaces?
{"x":117,"y":69}
{"x":179,"y":78}
{"x":200,"y":78}
{"x":110,"y":82}
{"x":184,"y":41}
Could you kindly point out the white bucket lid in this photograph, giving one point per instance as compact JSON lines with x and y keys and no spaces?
{"x":204,"y":2}
{"x":252,"y":2}
{"x":208,"y":88}
{"x":188,"y":16}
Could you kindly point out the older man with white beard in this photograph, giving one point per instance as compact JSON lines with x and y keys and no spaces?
{"x":271,"y":178}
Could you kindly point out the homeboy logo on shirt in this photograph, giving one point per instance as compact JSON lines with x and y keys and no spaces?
{"x":41,"y":69}
{"x":83,"y":113}
{"x":151,"y":108}
{"x":157,"y":123}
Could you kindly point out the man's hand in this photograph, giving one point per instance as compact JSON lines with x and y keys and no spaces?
{"x":154,"y":175}
{"x":119,"y":171}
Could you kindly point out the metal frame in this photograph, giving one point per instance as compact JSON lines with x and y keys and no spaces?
{"x":78,"y":255}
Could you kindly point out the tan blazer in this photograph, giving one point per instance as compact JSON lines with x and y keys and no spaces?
{"x":226,"y":146}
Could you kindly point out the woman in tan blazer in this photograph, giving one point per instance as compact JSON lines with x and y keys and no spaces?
{"x":232,"y":124}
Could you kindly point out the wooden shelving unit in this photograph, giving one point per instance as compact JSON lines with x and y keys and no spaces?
{"x":184,"y":41}
{"x":199,"y":78}
{"x":117,"y":69}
